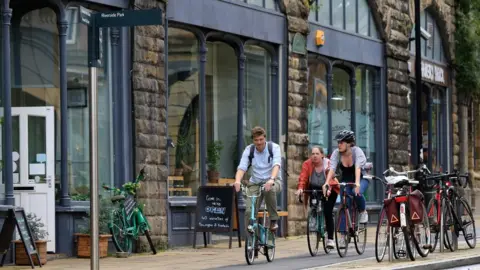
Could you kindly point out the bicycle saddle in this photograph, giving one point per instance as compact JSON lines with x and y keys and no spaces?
{"x":397,"y":179}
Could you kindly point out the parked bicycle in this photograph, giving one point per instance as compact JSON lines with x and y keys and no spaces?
{"x":393,"y":184}
{"x":128,"y":221}
{"x":347,"y":225}
{"x":406,"y":211}
{"x":448,"y":203}
{"x":258,"y":236}
{"x":316,"y":225}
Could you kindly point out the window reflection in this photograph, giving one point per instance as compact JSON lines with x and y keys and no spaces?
{"x":183,"y":118}
{"x":256,"y":109}
{"x":317,"y":104}
{"x":350,"y":15}
{"x":221,"y":87}
{"x":341,"y":102}
{"x":337,"y":14}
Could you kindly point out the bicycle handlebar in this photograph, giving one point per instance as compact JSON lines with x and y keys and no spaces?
{"x":315,"y":191}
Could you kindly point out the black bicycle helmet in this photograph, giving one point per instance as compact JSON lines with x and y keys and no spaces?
{"x":345,"y":136}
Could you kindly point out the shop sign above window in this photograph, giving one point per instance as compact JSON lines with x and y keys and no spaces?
{"x":430,"y":72}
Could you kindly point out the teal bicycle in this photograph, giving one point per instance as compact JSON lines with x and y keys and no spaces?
{"x":127,"y":221}
{"x":316,"y":226}
{"x":258,"y":238}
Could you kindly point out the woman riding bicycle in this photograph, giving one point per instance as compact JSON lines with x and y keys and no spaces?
{"x":313,"y":176}
{"x":351,"y":161}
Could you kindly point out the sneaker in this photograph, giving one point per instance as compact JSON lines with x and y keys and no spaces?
{"x":330,"y":243}
{"x":273,"y":225}
{"x":363,"y":217}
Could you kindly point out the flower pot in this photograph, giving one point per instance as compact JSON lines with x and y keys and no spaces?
{"x":21,"y":257}
{"x":213,"y":177}
{"x":83,"y":245}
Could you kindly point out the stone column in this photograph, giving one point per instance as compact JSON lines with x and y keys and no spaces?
{"x":297,"y":17}
{"x":150,"y":118}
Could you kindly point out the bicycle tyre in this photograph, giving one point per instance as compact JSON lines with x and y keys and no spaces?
{"x":342,"y":251}
{"x":423,"y":248}
{"x":150,"y":242}
{"x":324,"y":237}
{"x":313,"y":241}
{"x":121,"y":241}
{"x":448,"y":226}
{"x":434,"y":226}
{"x":467,"y":208}
{"x":250,"y":248}
{"x":408,"y":242}
{"x":378,"y":246}
{"x":270,"y":245}
{"x":359,"y":246}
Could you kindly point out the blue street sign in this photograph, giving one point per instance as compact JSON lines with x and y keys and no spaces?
{"x":129,"y":18}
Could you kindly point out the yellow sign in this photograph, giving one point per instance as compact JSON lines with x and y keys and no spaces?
{"x":319,"y":38}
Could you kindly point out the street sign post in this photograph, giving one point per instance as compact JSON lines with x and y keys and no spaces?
{"x":95,"y":21}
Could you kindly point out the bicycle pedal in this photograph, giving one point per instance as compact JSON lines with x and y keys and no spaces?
{"x":469,"y":236}
{"x":401,"y":254}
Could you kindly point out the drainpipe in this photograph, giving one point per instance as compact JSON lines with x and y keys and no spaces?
{"x":7,"y":105}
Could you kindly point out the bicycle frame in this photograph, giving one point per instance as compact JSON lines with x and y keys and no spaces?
{"x":256,"y":227}
{"x":348,"y":219}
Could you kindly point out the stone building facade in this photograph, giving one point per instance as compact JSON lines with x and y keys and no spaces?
{"x":395,"y":20}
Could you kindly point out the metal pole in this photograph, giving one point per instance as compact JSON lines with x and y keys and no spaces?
{"x":418,"y":81}
{"x":390,"y":244}
{"x":7,"y":105}
{"x":94,"y":263}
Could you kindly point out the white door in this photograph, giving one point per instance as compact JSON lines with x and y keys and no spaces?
{"x":33,"y":139}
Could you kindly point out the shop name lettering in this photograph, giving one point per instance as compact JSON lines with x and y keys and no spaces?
{"x":432,"y":73}
{"x":113,"y":15}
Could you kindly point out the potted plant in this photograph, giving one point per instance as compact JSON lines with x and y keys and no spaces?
{"x":213,"y":160}
{"x":39,"y":235}
{"x":83,"y":238}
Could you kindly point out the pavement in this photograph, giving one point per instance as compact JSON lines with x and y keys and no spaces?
{"x":291,"y":253}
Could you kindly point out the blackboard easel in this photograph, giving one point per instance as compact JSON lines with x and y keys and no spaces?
{"x":230,"y":203}
{"x":16,"y":217}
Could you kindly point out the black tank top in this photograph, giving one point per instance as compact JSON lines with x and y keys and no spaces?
{"x":348,"y":173}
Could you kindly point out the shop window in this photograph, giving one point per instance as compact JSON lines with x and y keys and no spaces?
{"x":222,"y":103}
{"x":365,"y":115}
{"x":256,"y":107}
{"x":317,"y":103}
{"x":270,"y":4}
{"x":183,"y":112}
{"x":341,"y":102}
{"x":351,"y":15}
{"x":78,"y":118}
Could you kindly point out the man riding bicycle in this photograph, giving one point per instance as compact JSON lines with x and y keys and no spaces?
{"x":350,"y":160}
{"x":265,"y":159}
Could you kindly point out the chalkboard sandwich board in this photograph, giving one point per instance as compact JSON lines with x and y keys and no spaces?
{"x":216,"y":207}
{"x":17,"y":217}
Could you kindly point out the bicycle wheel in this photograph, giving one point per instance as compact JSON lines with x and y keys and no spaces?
{"x":468,"y":222}
{"x":342,"y":238}
{"x":118,"y":229}
{"x":313,"y":235}
{"x":360,"y":238}
{"x":269,"y":248}
{"x":250,"y":247}
{"x":434,"y":225}
{"x":421,"y":235}
{"x":399,"y":244}
{"x":381,"y":238}
{"x":448,"y":225}
{"x":408,"y":241}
